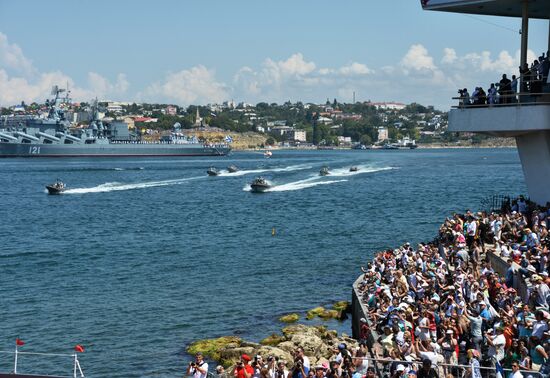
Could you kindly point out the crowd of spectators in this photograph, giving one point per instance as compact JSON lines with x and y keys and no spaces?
{"x":440,"y":309}
{"x":533,"y":80}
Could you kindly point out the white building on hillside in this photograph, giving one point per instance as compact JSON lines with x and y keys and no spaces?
{"x":383,"y":134}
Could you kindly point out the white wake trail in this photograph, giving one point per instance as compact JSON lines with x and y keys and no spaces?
{"x":263,"y":170}
{"x":116,"y":186}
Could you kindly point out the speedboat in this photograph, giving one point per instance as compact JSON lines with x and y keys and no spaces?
{"x":57,"y":187}
{"x":232,"y":168}
{"x":259,"y":185}
{"x":268,"y":154}
{"x":212,"y":171}
{"x":324,"y":171}
{"x":353,"y":169}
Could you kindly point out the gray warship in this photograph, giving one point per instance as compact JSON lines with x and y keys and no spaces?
{"x":51,"y":137}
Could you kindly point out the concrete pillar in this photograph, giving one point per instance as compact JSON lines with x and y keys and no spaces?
{"x":524,"y":31}
{"x":534,"y":152}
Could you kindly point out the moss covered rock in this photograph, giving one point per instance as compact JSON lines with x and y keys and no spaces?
{"x":317,"y":311}
{"x":343,"y":306}
{"x":329,"y":314}
{"x":273,"y":340}
{"x":289,"y":318}
{"x":211,"y":347}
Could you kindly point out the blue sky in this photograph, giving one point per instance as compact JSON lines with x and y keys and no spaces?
{"x":198,"y":52}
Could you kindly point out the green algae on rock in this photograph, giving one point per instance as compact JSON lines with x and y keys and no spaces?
{"x":272,"y":340}
{"x":343,"y":306}
{"x":317,"y":311}
{"x":211,"y":347}
{"x":290,"y":318}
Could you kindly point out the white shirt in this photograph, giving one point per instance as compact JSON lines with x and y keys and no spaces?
{"x":472,"y":228}
{"x":539,"y":327}
{"x":198,"y":374}
{"x":306,"y":362}
{"x":517,"y":374}
{"x":498,"y":344}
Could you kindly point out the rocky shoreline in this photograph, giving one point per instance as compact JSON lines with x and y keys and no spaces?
{"x":318,"y":342}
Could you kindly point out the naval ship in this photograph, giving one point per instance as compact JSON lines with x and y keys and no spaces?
{"x":51,"y":137}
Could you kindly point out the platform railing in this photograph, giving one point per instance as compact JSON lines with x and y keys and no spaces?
{"x":77,"y":370}
{"x":514,"y":99}
{"x":382,"y":364}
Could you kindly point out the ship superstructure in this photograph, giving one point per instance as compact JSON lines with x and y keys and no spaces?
{"x":52,"y":137}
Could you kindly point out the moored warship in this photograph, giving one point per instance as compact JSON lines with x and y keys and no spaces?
{"x":51,"y":137}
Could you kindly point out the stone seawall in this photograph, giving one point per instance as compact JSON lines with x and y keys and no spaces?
{"x":360,"y":310}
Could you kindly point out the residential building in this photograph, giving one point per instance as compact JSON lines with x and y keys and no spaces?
{"x":389,"y":105}
{"x":383,"y":134}
{"x":344,"y":141}
{"x":171,"y":110}
{"x":298,"y":135}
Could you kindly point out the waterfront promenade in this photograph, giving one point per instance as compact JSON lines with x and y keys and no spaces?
{"x":472,"y":301}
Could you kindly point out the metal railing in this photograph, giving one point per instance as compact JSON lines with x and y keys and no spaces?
{"x":515,"y":99}
{"x":77,"y":370}
{"x":496,"y":202}
{"x":382,"y":365}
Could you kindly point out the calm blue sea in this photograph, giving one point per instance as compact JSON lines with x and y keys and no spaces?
{"x":142,"y":256}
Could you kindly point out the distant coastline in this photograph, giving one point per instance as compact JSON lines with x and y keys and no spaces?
{"x":497,"y":143}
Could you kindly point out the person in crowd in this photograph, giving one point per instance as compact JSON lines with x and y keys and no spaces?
{"x":242,"y":369}
{"x":220,"y":372}
{"x":505,"y":89}
{"x":515,"y":370}
{"x":514,"y":86}
{"x":278,"y":369}
{"x":492,"y":94}
{"x":198,"y":368}
{"x":444,"y":302}
{"x":427,"y":371}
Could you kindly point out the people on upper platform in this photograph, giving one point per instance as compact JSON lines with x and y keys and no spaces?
{"x":533,"y":82}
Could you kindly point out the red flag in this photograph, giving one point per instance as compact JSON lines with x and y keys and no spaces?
{"x":19,"y":342}
{"x":79,"y":348}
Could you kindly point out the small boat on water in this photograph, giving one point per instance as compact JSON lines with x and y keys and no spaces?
{"x":353,"y":169}
{"x":232,"y":168}
{"x":268,"y":154}
{"x":212,"y":171}
{"x":324,"y":171}
{"x":57,"y":187}
{"x":259,"y":185}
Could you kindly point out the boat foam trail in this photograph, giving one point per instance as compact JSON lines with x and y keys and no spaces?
{"x":297,"y":185}
{"x":316,"y":180}
{"x":303,"y":184}
{"x":344,"y":172}
{"x":117,"y":186}
{"x":263,"y":170}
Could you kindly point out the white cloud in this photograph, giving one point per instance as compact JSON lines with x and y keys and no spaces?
{"x":417,"y":58}
{"x":295,"y":65}
{"x":11,"y":57}
{"x":193,"y":86}
{"x":416,"y":77}
{"x":355,"y":69}
{"x":483,"y":61}
{"x":21,"y":81}
{"x":449,"y":56}
{"x":104,"y":88}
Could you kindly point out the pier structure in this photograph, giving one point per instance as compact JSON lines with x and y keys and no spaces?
{"x":524,"y":115}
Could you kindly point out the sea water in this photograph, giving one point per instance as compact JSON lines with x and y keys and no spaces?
{"x":140,"y":257}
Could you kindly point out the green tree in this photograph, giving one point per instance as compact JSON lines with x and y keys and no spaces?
{"x":366,"y":140}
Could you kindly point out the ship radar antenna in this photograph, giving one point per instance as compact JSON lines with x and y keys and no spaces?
{"x":68,"y":92}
